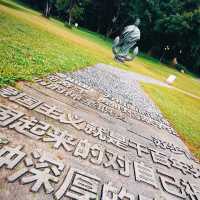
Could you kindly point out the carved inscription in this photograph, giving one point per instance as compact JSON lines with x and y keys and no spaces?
{"x":30,"y":127}
{"x":41,"y":171}
{"x":35,"y":129}
{"x":145,"y":174}
{"x":106,"y":104}
{"x":79,"y":185}
{"x":8,"y":116}
{"x":79,"y":94}
{"x":10,"y":157}
{"x":172,"y":148}
{"x":89,"y":128}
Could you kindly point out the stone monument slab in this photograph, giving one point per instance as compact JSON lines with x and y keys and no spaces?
{"x":67,"y":136}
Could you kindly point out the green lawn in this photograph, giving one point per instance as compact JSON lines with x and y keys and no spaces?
{"x":27,"y":51}
{"x":182,"y":111}
{"x":31,"y":45}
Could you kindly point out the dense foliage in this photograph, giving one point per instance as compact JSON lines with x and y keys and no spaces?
{"x":170,"y":28}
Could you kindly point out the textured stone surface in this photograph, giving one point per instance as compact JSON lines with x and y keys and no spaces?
{"x":120,"y":85}
{"x":84,"y":136}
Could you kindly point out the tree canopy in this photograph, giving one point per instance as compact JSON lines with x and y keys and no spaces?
{"x":169,"y":28}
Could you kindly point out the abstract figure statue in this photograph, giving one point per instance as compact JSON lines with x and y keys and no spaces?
{"x":125,"y":46}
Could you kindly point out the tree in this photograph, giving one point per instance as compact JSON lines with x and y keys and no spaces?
{"x":71,"y":9}
{"x":165,"y":24}
{"x":181,"y":34}
{"x":48,"y":7}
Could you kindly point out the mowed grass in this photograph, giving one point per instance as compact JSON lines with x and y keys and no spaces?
{"x":27,"y":51}
{"x":31,"y":45}
{"x":182,"y":111}
{"x":186,"y":82}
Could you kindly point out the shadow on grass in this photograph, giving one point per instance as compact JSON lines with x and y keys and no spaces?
{"x":18,"y":5}
{"x":10,"y":5}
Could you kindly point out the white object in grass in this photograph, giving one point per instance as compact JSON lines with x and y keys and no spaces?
{"x":76,"y":25}
{"x":171,"y":79}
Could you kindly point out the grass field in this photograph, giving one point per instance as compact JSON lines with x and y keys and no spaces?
{"x":182,"y":111}
{"x":31,"y":45}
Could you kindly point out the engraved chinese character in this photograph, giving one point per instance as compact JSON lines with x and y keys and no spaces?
{"x":110,"y":192}
{"x":183,"y":167}
{"x":52,"y":86}
{"x":50,"y":111}
{"x":78,"y":185}
{"x":97,"y":152}
{"x":26,"y":101}
{"x":139,"y":148}
{"x":10,"y":157}
{"x":55,"y":165}
{"x":118,"y":141}
{"x":30,"y":127}
{"x":75,"y":94}
{"x":82,"y":149}
{"x":90,"y":128}
{"x":53,"y":78}
{"x":42,"y":82}
{"x":101,"y":133}
{"x":120,"y":163}
{"x":145,"y":174}
{"x":60,"y":89}
{"x":39,"y":177}
{"x":8,"y":92}
{"x":61,"y":139}
{"x":164,"y":145}
{"x":39,"y":172}
{"x":103,"y":108}
{"x":192,"y":190}
{"x":123,"y":194}
{"x":195,"y":172}
{"x":66,"y":84}
{"x":74,"y":121}
{"x":124,"y":165}
{"x":160,"y":158}
{"x":111,"y":160}
{"x":158,"y":143}
{"x":168,"y":182}
{"x":7,"y":116}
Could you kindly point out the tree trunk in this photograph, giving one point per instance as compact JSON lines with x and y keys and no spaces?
{"x":98,"y":24}
{"x":174,"y":61}
{"x":109,"y":32}
{"x":70,"y":18}
{"x":150,"y":52}
{"x":47,"y":9}
{"x":98,"y":29}
{"x":72,"y":3}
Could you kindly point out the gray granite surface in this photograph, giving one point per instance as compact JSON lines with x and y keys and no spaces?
{"x":88,"y":135}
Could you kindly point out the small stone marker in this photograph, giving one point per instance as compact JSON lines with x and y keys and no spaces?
{"x":171,"y":79}
{"x":76,"y":25}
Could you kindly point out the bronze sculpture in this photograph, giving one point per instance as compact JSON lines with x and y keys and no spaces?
{"x":125,"y":46}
